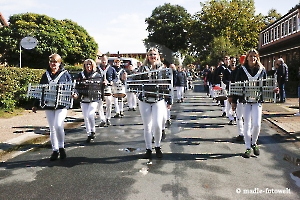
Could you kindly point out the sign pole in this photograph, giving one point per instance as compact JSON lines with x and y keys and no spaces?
{"x":27,"y":43}
{"x":20,"y":56}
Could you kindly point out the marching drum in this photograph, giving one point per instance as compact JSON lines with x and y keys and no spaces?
{"x":52,"y":94}
{"x":90,"y":90}
{"x":107,"y":90}
{"x":118,"y":90}
{"x":153,"y":84}
{"x":219,"y":93}
{"x":255,"y":91}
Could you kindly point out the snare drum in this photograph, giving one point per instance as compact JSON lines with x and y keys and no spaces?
{"x":118,"y":90}
{"x":107,"y":90}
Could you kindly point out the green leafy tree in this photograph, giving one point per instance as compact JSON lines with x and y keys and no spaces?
{"x":234,"y":20}
{"x":167,"y":29}
{"x":272,"y":16}
{"x":64,"y":37}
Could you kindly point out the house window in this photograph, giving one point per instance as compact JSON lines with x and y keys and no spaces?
{"x":290,"y":26}
{"x":282,"y":30}
{"x":286,"y":27}
{"x":294,"y":23}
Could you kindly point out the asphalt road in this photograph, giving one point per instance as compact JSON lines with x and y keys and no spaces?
{"x":201,"y":160}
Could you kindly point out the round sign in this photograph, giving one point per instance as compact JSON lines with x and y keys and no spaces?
{"x":29,"y":42}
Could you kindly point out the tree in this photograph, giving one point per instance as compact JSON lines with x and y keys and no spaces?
{"x":64,"y":37}
{"x":167,"y":29}
{"x":234,"y":20}
{"x":272,"y":16}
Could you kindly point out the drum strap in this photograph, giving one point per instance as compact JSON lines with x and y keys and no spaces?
{"x":83,"y":76}
{"x":56,"y":79}
{"x":251,"y":78}
{"x":103,"y":72}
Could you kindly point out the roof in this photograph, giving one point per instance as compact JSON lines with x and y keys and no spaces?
{"x":3,"y":20}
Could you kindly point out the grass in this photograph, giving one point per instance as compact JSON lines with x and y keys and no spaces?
{"x":6,"y":114}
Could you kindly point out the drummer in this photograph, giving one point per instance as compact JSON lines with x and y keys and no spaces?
{"x":118,"y":101}
{"x":110,"y":75}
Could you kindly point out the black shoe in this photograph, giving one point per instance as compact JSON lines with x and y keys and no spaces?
{"x":130,"y":109}
{"x":232,"y":122}
{"x":224,"y":114}
{"x":153,"y":140}
{"x":102,"y":124}
{"x":178,"y":101}
{"x":122,"y":114}
{"x":181,"y":100}
{"x":255,"y":149}
{"x":117,"y":116}
{"x":158,"y":152}
{"x":108,"y":122}
{"x":93,"y":135}
{"x":54,"y":155}
{"x":133,"y":109}
{"x":163,"y":136}
{"x":169,"y":122}
{"x":239,"y":138}
{"x":62,"y":153}
{"x":88,"y":140}
{"x":148,"y":154}
{"x":247,"y":153}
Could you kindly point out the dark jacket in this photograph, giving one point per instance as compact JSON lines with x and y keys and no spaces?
{"x":180,"y":79}
{"x":282,"y":73}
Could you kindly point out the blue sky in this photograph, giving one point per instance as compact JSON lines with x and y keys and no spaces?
{"x":117,"y":25}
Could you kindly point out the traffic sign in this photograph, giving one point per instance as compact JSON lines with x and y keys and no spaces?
{"x":29,"y":42}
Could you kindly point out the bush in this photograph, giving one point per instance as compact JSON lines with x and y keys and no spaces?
{"x":14,"y":85}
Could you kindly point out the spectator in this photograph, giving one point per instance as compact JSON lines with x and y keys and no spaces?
{"x":282,"y":75}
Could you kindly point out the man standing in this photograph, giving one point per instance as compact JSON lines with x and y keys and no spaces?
{"x":109,"y":73}
{"x":282,"y":77}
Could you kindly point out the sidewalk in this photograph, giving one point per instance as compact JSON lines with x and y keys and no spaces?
{"x":283,"y":116}
{"x":29,"y":129}
{"x":34,"y":126}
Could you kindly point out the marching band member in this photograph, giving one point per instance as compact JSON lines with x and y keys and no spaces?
{"x":118,"y":101}
{"x":109,"y":75}
{"x":252,"y":111}
{"x":227,"y":80}
{"x":131,"y":96}
{"x":89,"y":91}
{"x":239,"y":105}
{"x":151,"y":110}
{"x":55,"y":73}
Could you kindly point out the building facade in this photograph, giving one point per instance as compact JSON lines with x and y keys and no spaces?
{"x":281,"y":39}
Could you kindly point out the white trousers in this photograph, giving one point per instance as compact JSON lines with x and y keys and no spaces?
{"x":228,"y":109}
{"x":180,"y":92}
{"x":167,"y":115}
{"x":152,"y":117}
{"x":131,"y":99}
{"x":88,"y":111}
{"x":108,"y":101}
{"x":56,"y":120}
{"x":119,"y":105}
{"x":252,"y":114}
{"x":239,"y":118}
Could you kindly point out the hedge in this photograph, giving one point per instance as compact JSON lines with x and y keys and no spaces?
{"x":14,"y":85}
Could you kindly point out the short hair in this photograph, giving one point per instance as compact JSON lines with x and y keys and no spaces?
{"x":93,"y":64}
{"x":56,"y":57}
